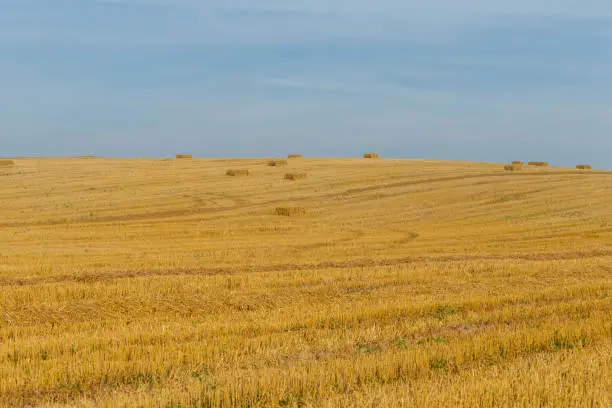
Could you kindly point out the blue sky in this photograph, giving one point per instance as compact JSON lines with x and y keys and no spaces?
{"x":470,"y":80}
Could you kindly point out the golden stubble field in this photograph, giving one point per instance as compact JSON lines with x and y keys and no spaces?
{"x":405,"y":283}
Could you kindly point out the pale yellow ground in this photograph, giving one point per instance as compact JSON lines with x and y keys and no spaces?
{"x":407,"y":283}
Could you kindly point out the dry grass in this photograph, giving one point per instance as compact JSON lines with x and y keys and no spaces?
{"x":370,"y":156}
{"x":7,"y":163}
{"x":239,"y":172}
{"x":295,"y":176}
{"x":277,"y":163}
{"x":290,"y":211}
{"x":513,"y":167}
{"x":584,"y":167}
{"x":414,"y":283}
{"x":294,"y":156}
{"x":538,"y":163}
{"x":518,"y":162}
{"x":184,"y":156}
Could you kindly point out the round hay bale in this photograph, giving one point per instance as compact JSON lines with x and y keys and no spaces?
{"x":513,"y":167}
{"x":237,"y":172}
{"x":277,"y":163}
{"x":370,"y":156}
{"x":538,"y":163}
{"x":295,"y":176}
{"x":7,"y":162}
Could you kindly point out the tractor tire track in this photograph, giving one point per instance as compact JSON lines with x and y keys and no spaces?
{"x":343,"y":194}
{"x":349,"y":264}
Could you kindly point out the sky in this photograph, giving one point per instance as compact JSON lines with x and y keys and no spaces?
{"x":474,"y":80}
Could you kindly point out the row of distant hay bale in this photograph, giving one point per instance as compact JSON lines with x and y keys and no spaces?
{"x":181,"y":156}
{"x":518,"y":165}
{"x":513,"y":167}
{"x":190,"y":156}
{"x":289,"y":156}
{"x":245,"y":172}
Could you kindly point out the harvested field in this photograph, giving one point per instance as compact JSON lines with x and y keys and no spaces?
{"x":414,"y":283}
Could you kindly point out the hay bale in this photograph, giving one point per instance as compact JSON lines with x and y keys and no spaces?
{"x":513,"y":167}
{"x":584,"y":167}
{"x":537,"y":163}
{"x":290,"y":211}
{"x":295,"y":176}
{"x":370,"y":156}
{"x":277,"y":163}
{"x":235,"y":173}
{"x":7,"y":162}
{"x":518,"y":162}
{"x":294,"y":156}
{"x":184,"y":156}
